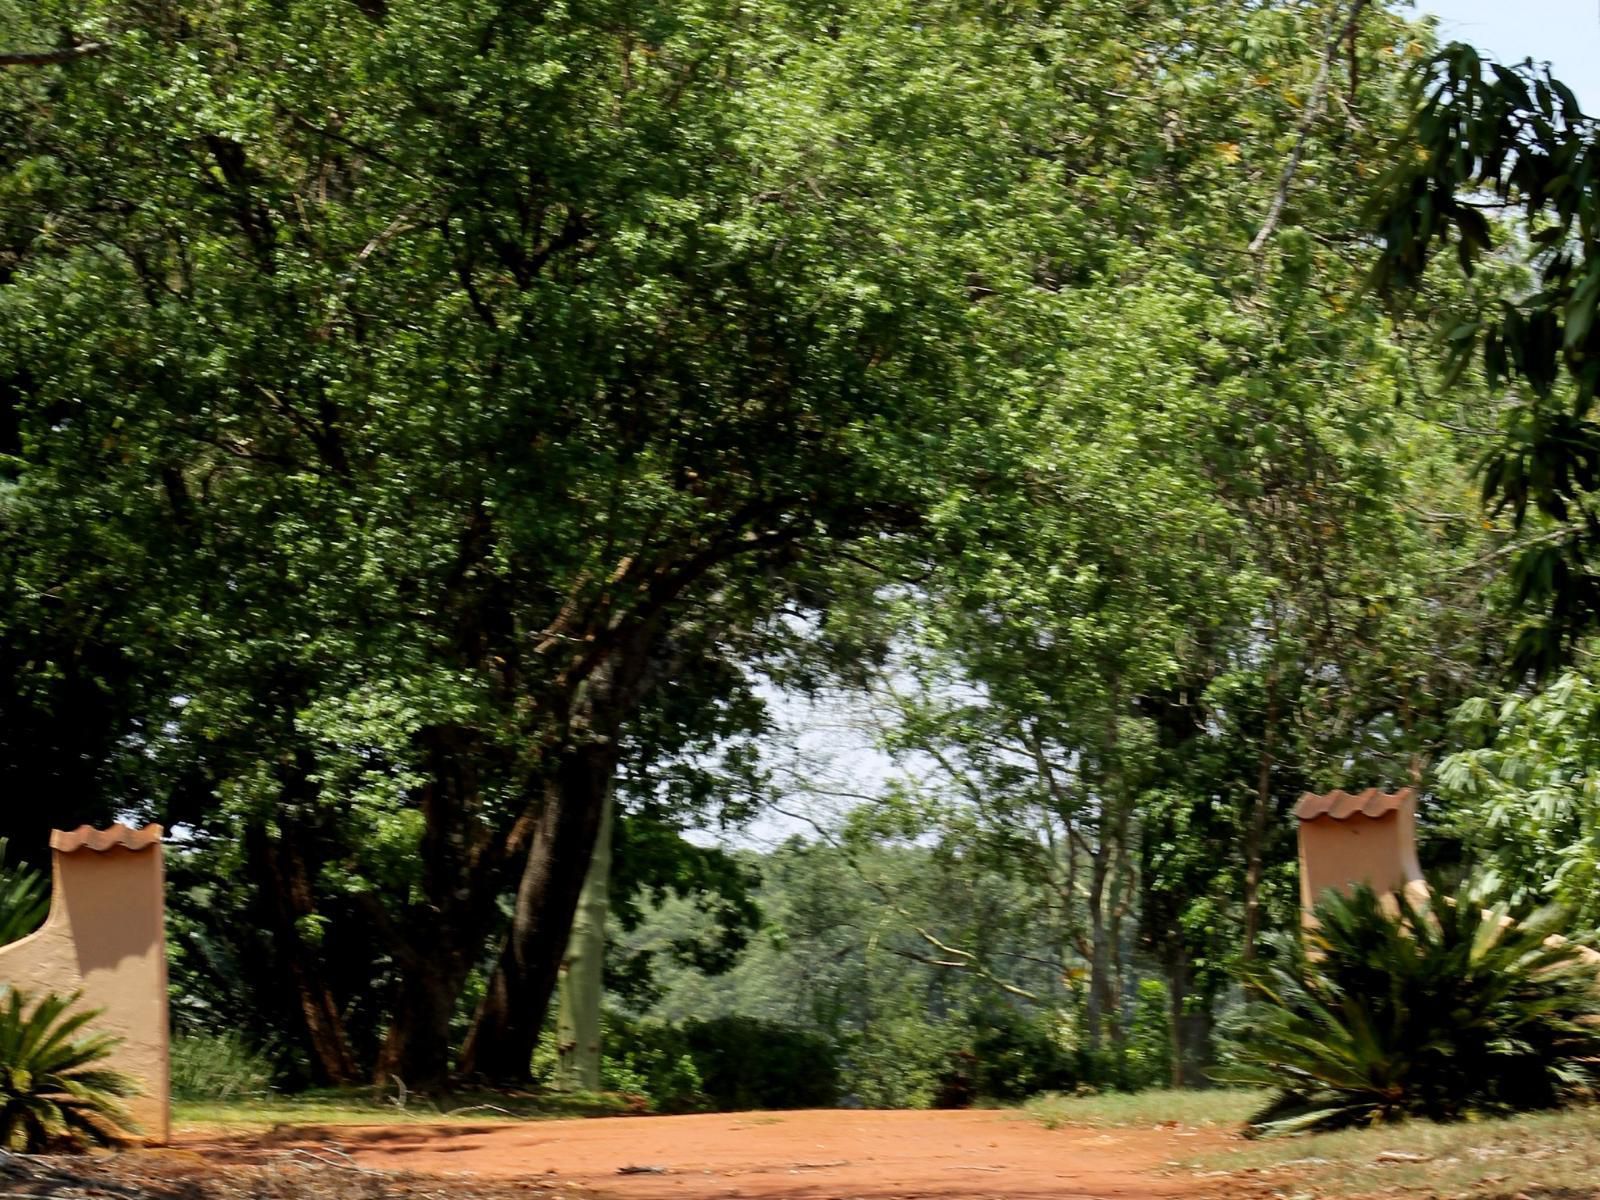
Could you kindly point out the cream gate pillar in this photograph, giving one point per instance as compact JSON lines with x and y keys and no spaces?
{"x":106,"y":937}
{"x":1368,"y":837}
{"x":1349,"y":839}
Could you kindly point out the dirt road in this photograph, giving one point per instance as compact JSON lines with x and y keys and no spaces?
{"x":821,"y":1155}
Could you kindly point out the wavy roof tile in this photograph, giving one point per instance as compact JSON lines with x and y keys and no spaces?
{"x":87,"y":837}
{"x":1339,"y":805}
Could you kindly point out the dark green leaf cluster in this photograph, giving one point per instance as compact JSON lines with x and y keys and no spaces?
{"x":24,"y":900}
{"x":1490,"y":138}
{"x":1391,"y":1009}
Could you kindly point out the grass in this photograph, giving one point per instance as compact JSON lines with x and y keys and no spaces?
{"x":373,"y":1108}
{"x":1538,"y":1156}
{"x":1110,"y":1110}
{"x":1542,"y":1156}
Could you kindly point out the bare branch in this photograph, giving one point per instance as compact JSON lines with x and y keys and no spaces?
{"x":1316,"y":104}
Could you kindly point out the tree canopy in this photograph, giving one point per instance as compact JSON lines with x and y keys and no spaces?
{"x":422,"y":423}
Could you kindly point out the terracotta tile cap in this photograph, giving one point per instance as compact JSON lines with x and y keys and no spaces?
{"x":87,"y":837}
{"x":1338,"y":805}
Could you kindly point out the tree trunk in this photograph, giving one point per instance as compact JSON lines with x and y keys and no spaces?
{"x":435,"y":937}
{"x":286,"y":881}
{"x":505,"y":1030}
{"x":416,"y":1048}
{"x":1190,"y":1017}
{"x":582,"y":973}
{"x":1101,"y":1000}
{"x":1256,"y":831}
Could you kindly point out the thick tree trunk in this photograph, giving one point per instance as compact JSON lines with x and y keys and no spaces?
{"x":436,"y":936}
{"x":581,"y":986}
{"x":416,"y":1049}
{"x":506,"y":1028}
{"x":1191,"y":1018}
{"x":285,"y":879}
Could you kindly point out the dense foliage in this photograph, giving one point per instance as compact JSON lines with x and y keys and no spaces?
{"x":1443,"y":1011}
{"x":1525,"y":796}
{"x":425,"y":424}
{"x":55,"y":1092}
{"x":1492,"y":138}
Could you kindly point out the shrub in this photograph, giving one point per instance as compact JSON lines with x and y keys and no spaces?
{"x":1018,"y":1055}
{"x":903,"y":1060}
{"x":726,"y":1064}
{"x":1149,"y":1050}
{"x":747,"y":1063}
{"x":651,"y":1059}
{"x":53,"y":1092}
{"x":24,"y":900}
{"x":1437,"y":1013}
{"x":210,"y":1066}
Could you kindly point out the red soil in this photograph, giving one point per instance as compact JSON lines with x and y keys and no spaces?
{"x":821,"y":1155}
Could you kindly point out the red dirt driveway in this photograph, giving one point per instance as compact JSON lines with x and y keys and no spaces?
{"x":821,"y":1155}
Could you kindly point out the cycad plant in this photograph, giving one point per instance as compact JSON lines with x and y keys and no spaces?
{"x":1378,"y":1014}
{"x":55,"y":1092}
{"x":24,"y":900}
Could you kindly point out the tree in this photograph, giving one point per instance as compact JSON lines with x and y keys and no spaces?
{"x":1523,"y":795}
{"x":396,"y":397}
{"x":1493,"y":139}
{"x":1212,"y":562}
{"x":582,"y":974}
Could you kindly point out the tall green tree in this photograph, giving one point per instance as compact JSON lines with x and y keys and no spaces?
{"x":1211,"y":562}
{"x":395,"y":379}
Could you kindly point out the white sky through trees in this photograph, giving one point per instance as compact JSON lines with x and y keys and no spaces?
{"x":1564,"y":33}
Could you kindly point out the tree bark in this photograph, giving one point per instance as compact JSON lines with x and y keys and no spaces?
{"x":1190,"y":1017}
{"x":1101,"y":999}
{"x":286,"y":881}
{"x":581,"y":986}
{"x":505,"y":1031}
{"x":416,"y":1048}
{"x":436,"y":938}
{"x":1256,"y":831}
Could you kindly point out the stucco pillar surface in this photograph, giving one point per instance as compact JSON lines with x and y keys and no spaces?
{"x":105,"y":937}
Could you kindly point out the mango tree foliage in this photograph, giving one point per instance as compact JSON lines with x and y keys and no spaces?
{"x":1525,"y":795}
{"x":1486,"y":140}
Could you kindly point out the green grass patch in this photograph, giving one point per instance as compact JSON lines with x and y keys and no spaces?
{"x":1206,"y":1109}
{"x":361,"y":1107}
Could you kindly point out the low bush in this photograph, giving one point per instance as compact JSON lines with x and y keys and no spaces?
{"x":748,"y":1063}
{"x":1441,"y":1013}
{"x":54,"y":1091}
{"x":1148,"y":1060}
{"x":905,"y":1061}
{"x":727,"y":1064}
{"x":1017,"y":1055}
{"x":651,"y":1059}
{"x":24,"y":900}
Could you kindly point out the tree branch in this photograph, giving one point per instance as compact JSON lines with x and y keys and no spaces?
{"x":1315,"y":106}
{"x":51,"y":58}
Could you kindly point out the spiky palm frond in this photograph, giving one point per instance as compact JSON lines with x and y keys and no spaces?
{"x":54,"y":1089}
{"x":24,"y":900}
{"x":1377,"y":1015}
